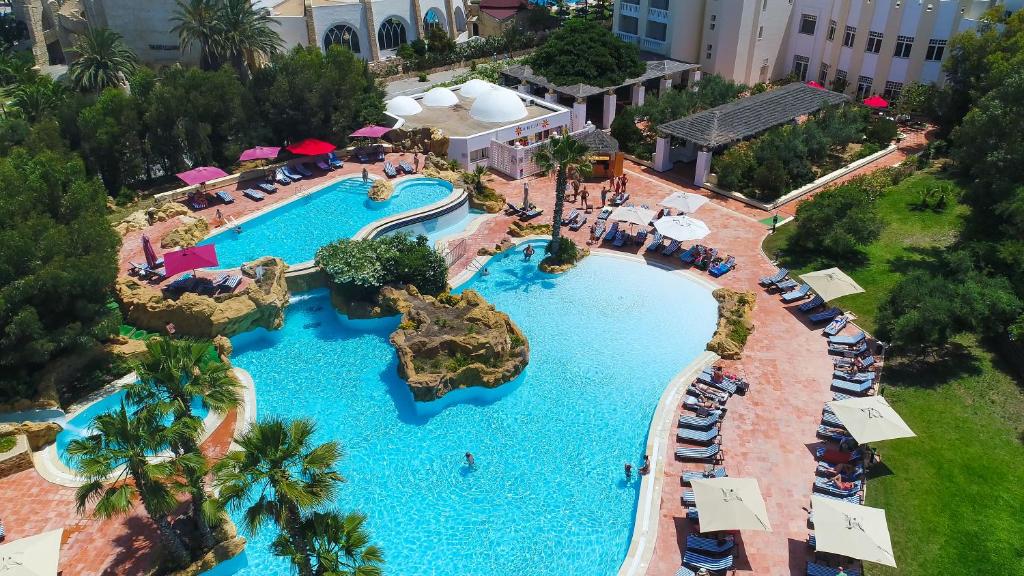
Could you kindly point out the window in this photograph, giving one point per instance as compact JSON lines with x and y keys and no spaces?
{"x":629,"y":24}
{"x":903,"y":46}
{"x":863,"y":87}
{"x":935,"y":49}
{"x":344,"y":36}
{"x":874,"y":44}
{"x":713,"y":18}
{"x":656,"y":30}
{"x":478,"y":155}
{"x":839,"y":82}
{"x":432,"y":20}
{"x":823,"y":74}
{"x":707,"y":55}
{"x":760,"y":32}
{"x":831,"y":30}
{"x":800,"y":65}
{"x":807,"y":24}
{"x":892,"y":91}
{"x":849,"y":36}
{"x":391,"y":34}
{"x":764,"y":5}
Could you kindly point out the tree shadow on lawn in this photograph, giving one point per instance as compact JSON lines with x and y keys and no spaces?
{"x":932,"y":370}
{"x":930,"y":260}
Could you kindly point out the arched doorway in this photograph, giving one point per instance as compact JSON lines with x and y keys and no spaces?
{"x":434,"y":19}
{"x":391,"y":34}
{"x":342,"y":35}
{"x":460,"y":19}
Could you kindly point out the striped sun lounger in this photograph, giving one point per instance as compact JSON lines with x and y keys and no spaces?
{"x":820,"y":570}
{"x":825,"y":316}
{"x":716,"y":472}
{"x":697,"y":560}
{"x":856,"y":388}
{"x":786,"y":285}
{"x":698,"y":423}
{"x":671,"y":248}
{"x":853,"y":376}
{"x":688,"y":499}
{"x":684,"y":571}
{"x":795,"y":295}
{"x":709,"y":545}
{"x":712,"y":452}
{"x":825,"y":485}
{"x":656,"y":241}
{"x":697,"y":436}
{"x":850,"y":340}
{"x":811,"y":304}
{"x":824,"y":469}
{"x":779,"y":275}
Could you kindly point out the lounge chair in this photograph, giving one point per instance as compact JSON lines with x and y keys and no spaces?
{"x":532,"y":213}
{"x":852,"y":499}
{"x":281,"y":178}
{"x":697,"y":436}
{"x":698,"y":560}
{"x":687,"y":498}
{"x":825,"y":485}
{"x":710,"y":545}
{"x":848,"y":351}
{"x":723,"y":268}
{"x":268,"y":187}
{"x":301,"y":168}
{"x":610,"y":234}
{"x":377,"y":153}
{"x":785,"y":286}
{"x":855,"y":388}
{"x":725,"y":385}
{"x":848,"y":340}
{"x":831,"y":420}
{"x":253,"y":194}
{"x":406,"y":167}
{"x":811,"y":304}
{"x":671,"y":248}
{"x":855,"y":376}
{"x":618,"y":199}
{"x":656,"y":241}
{"x":865,"y":363}
{"x":389,"y":170}
{"x":684,"y":571}
{"x":512,"y":209}
{"x":225,"y":197}
{"x":698,"y":423}
{"x":825,"y":316}
{"x":363,"y":156}
{"x":291,"y":174}
{"x":605,"y":213}
{"x":690,"y":254}
{"x":779,"y":276}
{"x":620,"y":239}
{"x":714,"y":472}
{"x":824,"y":469}
{"x":146,"y":271}
{"x":578,"y":223}
{"x":334,"y":161}
{"x":820,"y":570}
{"x":827,"y":434}
{"x":710,"y":453}
{"x":641,"y":237}
{"x":566,"y":220}
{"x":798,"y":294}
{"x":598,"y":232}
{"x":196,"y":202}
{"x":323,"y":165}
{"x":231,"y":282}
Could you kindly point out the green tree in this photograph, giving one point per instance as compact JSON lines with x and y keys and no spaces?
{"x":110,"y":133}
{"x":582,"y":51}
{"x":175,"y":375}
{"x":360,"y":268}
{"x":197,"y":24}
{"x":104,"y":61}
{"x":837,"y":223}
{"x":277,"y":475}
{"x":39,"y":98}
{"x":57,"y":265}
{"x":121,"y":450}
{"x":245,"y":35}
{"x":560,"y":153}
{"x":624,"y":129}
{"x":337,"y":545}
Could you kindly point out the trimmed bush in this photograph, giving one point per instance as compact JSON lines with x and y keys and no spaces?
{"x":360,"y":268}
{"x":837,"y":222}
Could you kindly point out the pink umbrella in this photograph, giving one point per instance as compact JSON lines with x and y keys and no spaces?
{"x":147,"y":248}
{"x":190,"y":259}
{"x":370,"y":132}
{"x":876,"y":102}
{"x":814,"y":84}
{"x":201,"y":174}
{"x":260,"y":153}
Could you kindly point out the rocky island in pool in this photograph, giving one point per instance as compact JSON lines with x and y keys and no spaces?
{"x":453,"y":341}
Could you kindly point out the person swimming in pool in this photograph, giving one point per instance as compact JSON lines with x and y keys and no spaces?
{"x":528,"y":252}
{"x":629,"y":471}
{"x":470,"y":461}
{"x":485,"y":272}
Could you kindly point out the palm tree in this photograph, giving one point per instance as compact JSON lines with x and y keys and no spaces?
{"x":276,"y":476}
{"x":337,"y":545}
{"x":560,"y":153}
{"x":103,"y":61}
{"x":197,"y":23}
{"x":246,"y":35}
{"x":122,"y":448}
{"x":39,"y":98}
{"x":476,"y":179}
{"x":174,"y":374}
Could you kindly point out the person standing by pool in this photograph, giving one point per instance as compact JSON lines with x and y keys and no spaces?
{"x":470,"y":461}
{"x":646,"y":467}
{"x":366,"y":175}
{"x":528,"y":252}
{"x":604,"y":195}
{"x":583,"y":197}
{"x":416,"y":162}
{"x":624,"y":181}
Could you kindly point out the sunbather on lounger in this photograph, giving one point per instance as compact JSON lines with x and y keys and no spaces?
{"x":701,"y":389}
{"x":693,"y":402}
{"x":838,"y":482}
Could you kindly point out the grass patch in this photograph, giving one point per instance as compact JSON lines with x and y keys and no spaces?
{"x":7,"y":443}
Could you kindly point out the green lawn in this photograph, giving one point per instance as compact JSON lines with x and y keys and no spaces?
{"x":952,"y":495}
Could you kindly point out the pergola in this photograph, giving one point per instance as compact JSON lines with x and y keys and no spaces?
{"x":727,"y":124}
{"x":657,"y":68}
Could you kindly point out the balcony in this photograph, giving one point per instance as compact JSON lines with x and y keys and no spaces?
{"x":628,"y":9}
{"x":652,"y":45}
{"x":657,"y":15}
{"x":627,"y":37}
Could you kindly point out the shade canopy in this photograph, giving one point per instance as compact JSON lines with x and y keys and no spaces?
{"x":371,"y":132}
{"x":260,"y":153}
{"x":149,"y":252}
{"x":32,"y":556}
{"x":190,"y":259}
{"x":681,"y":228}
{"x":876,"y":102}
{"x":311,"y":147}
{"x":870,"y":419}
{"x":201,"y":174}
{"x":632,"y":215}
{"x":831,"y":283}
{"x":851,"y":530}
{"x":684,"y":201}
{"x":814,"y":84}
{"x":730,"y":504}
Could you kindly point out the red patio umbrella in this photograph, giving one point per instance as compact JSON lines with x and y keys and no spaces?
{"x":190,"y":259}
{"x":147,"y":249}
{"x":311,"y":147}
{"x":814,"y":84}
{"x":370,"y":132}
{"x":201,"y":174}
{"x":876,"y":102}
{"x":260,"y":153}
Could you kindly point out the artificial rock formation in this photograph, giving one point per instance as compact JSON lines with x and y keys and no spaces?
{"x":453,"y":342}
{"x":38,"y":434}
{"x":260,"y":304}
{"x":188,"y":233}
{"x":229,"y":544}
{"x":735,"y":310}
{"x":380,"y":191}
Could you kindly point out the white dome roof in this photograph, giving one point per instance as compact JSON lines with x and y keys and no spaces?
{"x":474,"y":88}
{"x":403,"y":106}
{"x":440,"y":97}
{"x":498,"y":105}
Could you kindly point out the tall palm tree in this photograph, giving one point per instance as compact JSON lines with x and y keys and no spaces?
{"x":475,"y":179}
{"x":197,"y":23}
{"x":39,"y":98}
{"x":276,"y":476}
{"x":174,"y":374}
{"x":122,"y":448}
{"x":560,"y":153}
{"x":337,"y":545}
{"x":103,"y":61}
{"x":246,"y":35}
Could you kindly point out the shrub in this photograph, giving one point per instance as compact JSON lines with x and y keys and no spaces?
{"x":837,"y":222}
{"x":568,"y":252}
{"x":360,"y":268}
{"x":881,"y":131}
{"x":7,"y":443}
{"x":423,"y":77}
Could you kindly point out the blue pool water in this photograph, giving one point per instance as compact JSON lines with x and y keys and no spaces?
{"x":548,"y":495}
{"x":295,"y":231}
{"x":80,"y":425}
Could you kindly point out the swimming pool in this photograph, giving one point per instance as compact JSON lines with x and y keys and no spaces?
{"x":296,"y":230}
{"x":548,"y":494}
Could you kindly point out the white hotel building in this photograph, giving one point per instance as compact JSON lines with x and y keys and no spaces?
{"x":871,"y":46}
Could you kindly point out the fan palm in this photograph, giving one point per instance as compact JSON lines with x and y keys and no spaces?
{"x":245,"y":35}
{"x":475,"y":179}
{"x":174,"y":374}
{"x":197,"y":23}
{"x":560,"y":153}
{"x":122,"y":448}
{"x":276,"y":476}
{"x":103,"y":61}
{"x":39,"y":98}
{"x":337,"y":545}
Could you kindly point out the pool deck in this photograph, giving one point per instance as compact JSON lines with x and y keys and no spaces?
{"x":766,"y":435}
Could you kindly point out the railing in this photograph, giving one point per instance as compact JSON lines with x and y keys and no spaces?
{"x":652,"y":44}
{"x":454,"y":252}
{"x":629,"y":9}
{"x":657,"y":14}
{"x":627,"y":37}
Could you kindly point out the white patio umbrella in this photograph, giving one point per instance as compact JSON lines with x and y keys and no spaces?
{"x":851,"y":530}
{"x":831,"y":283}
{"x":681,"y":228}
{"x":684,"y":201}
{"x":730,"y":504}
{"x":32,"y":556}
{"x":870,"y":419}
{"x":632,"y":215}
